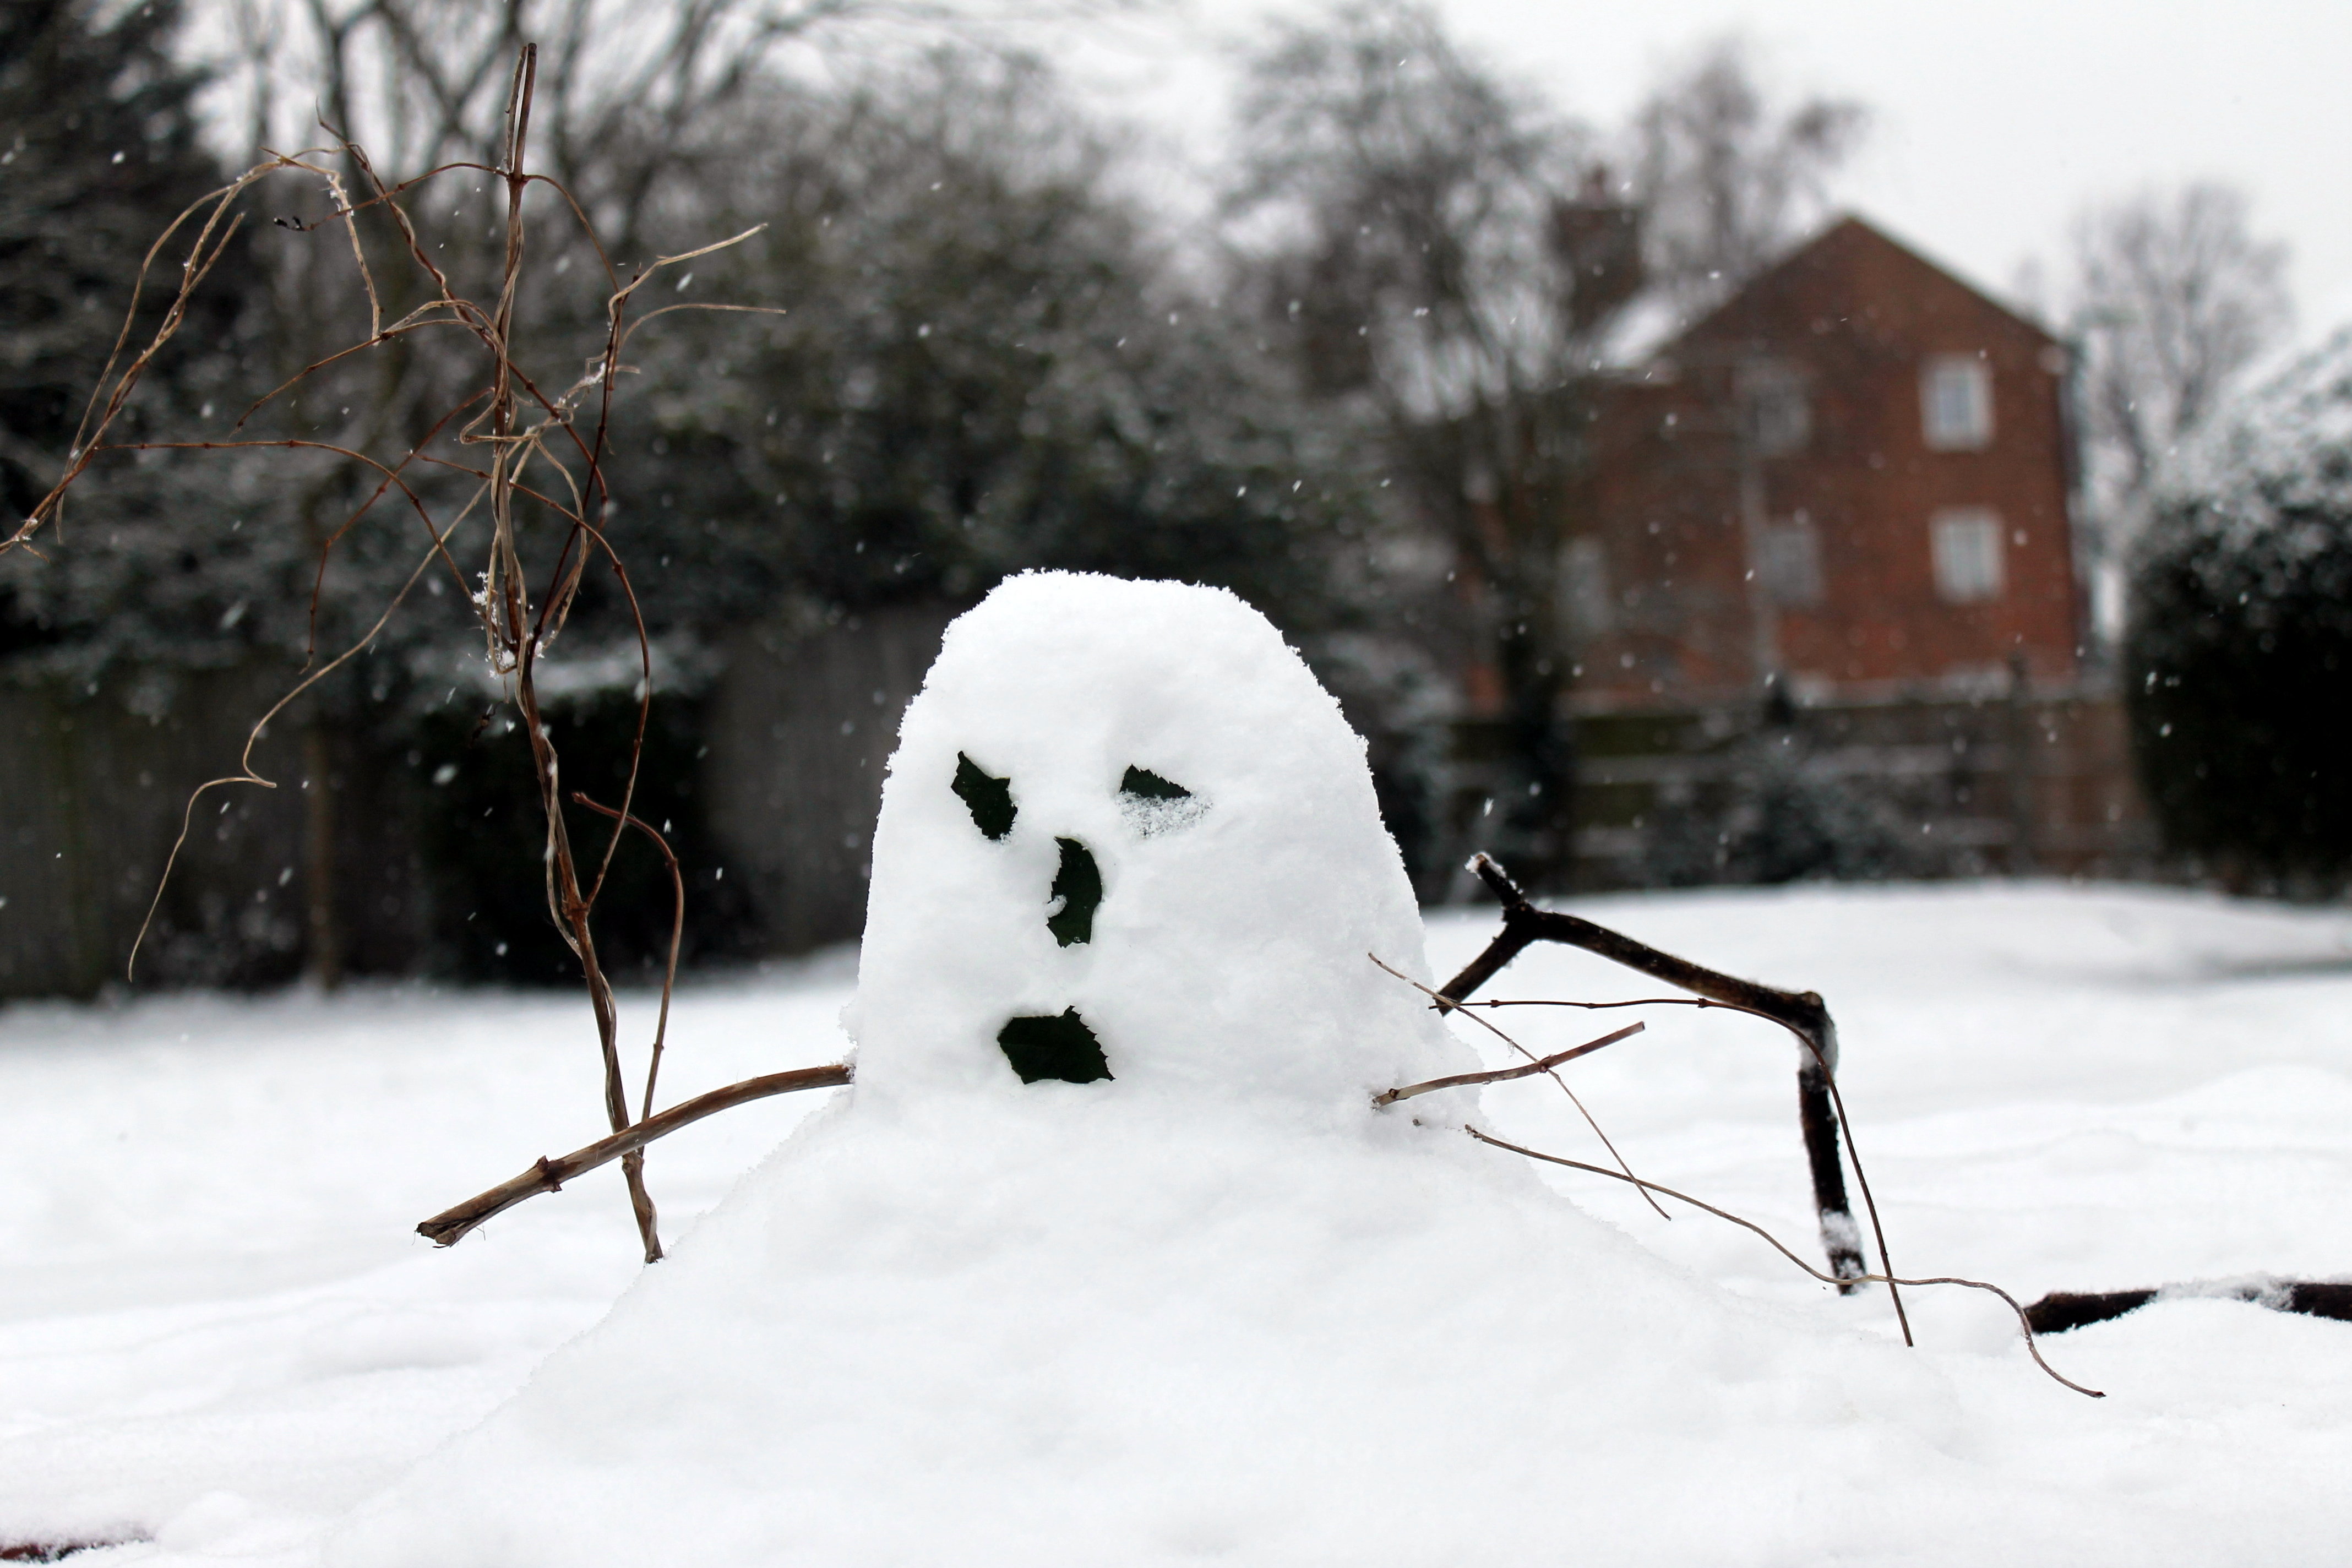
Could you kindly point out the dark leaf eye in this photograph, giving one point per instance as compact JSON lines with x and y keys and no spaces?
{"x":1078,"y":886}
{"x":1148,"y":785}
{"x":990,"y":799}
{"x":1060,"y":1047}
{"x":1153,"y":805}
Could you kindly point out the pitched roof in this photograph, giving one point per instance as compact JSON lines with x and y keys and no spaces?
{"x":1845,"y":236}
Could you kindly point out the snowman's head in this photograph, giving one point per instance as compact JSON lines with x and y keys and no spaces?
{"x":1129,"y":846}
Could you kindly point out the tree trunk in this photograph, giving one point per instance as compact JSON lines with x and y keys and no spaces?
{"x":1537,"y":817}
{"x":324,"y":952}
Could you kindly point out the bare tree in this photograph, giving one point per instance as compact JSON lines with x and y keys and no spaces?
{"x":2173,"y":297}
{"x":643,"y":83}
{"x":1724,"y":177}
{"x":639,"y":95}
{"x":1422,"y":253}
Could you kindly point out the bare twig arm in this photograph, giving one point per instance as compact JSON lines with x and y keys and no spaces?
{"x":547,"y":1176}
{"x":1504,"y":1075}
{"x":1581,"y":1109}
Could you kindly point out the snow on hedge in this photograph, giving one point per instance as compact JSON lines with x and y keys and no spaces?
{"x":2282,"y":454}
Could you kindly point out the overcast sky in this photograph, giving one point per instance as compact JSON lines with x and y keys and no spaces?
{"x":1993,"y":121}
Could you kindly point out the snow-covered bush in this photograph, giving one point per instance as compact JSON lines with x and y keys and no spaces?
{"x":2239,"y":652}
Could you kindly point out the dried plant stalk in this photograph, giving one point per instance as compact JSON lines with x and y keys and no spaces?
{"x":523,"y":428}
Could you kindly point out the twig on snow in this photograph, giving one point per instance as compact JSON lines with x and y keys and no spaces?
{"x":2024,"y":1323}
{"x":2063,"y":1310}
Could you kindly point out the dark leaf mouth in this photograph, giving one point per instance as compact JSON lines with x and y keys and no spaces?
{"x":1059,"y":1046}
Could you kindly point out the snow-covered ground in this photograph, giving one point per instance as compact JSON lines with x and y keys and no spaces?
{"x":218,"y":1334}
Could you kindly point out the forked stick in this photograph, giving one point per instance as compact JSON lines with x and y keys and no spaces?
{"x":1820,"y":1107}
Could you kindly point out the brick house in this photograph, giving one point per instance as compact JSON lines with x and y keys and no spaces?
{"x":1832,"y":518}
{"x":1853,"y":474}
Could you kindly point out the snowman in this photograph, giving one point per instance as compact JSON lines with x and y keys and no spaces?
{"x":1126,"y":840}
{"x":1107,"y":1257}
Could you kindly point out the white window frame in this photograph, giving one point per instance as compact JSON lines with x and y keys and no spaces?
{"x":1956,"y":402}
{"x":1585,"y":566}
{"x":1969,"y":553}
{"x":1789,"y":563}
{"x":1777,"y":407}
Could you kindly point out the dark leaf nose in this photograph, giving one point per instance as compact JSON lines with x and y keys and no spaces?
{"x":1079,"y":885}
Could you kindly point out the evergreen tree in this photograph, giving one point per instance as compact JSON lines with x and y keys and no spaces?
{"x":986,"y":364}
{"x":98,"y":152}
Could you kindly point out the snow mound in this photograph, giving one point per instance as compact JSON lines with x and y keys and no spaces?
{"x":922,"y":1335}
{"x":1107,"y":1257}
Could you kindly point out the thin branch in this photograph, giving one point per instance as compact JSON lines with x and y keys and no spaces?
{"x":1700,"y":1002}
{"x":414,"y":320}
{"x":1503,"y":1075}
{"x":253,"y":736}
{"x":595,"y":536}
{"x":676,"y":933}
{"x":508,"y":591}
{"x":1802,"y":1014}
{"x":712,"y":305}
{"x":1573,"y":1100}
{"x":548,"y":1175}
{"x":2025,"y":1324}
{"x":95,"y":421}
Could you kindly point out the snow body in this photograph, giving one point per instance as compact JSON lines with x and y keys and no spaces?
{"x":1215,"y":1304}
